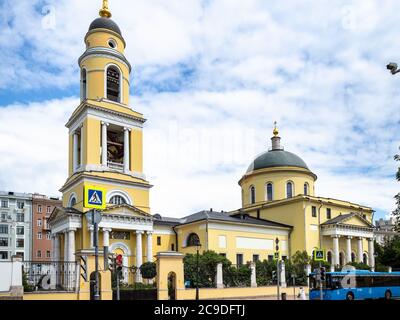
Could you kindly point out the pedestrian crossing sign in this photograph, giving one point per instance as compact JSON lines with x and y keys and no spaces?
{"x":319,"y":255}
{"x":95,"y":197}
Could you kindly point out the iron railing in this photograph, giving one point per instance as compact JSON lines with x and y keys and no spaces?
{"x":50,"y":276}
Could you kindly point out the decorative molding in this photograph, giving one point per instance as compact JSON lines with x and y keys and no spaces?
{"x":103,"y":52}
{"x":246,"y":228}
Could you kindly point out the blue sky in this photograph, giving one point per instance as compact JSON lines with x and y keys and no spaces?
{"x":212,"y":77}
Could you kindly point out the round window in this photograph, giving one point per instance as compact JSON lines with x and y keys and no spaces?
{"x":112,"y":43}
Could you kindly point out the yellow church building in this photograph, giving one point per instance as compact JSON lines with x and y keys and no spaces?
{"x":106,"y":152}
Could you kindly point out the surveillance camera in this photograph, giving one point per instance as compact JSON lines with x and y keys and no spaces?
{"x":392,"y":67}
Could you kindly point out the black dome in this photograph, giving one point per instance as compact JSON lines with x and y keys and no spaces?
{"x":105,"y":23}
{"x":277,"y":158}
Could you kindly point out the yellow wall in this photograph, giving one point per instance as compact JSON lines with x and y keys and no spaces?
{"x":278,"y":177}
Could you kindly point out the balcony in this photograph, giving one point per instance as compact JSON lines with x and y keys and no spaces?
{"x":116,"y":166}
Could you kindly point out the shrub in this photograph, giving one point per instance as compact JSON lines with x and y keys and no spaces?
{"x":148,"y":270}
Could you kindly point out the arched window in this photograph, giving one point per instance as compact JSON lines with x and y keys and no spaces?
{"x":83,"y":84}
{"x":252,"y":195}
{"x":72,"y":200}
{"x":365,"y":258}
{"x":193,"y":240}
{"x":353,"y":257}
{"x":113,"y":84}
{"x":289,"y":189}
{"x":306,"y":189}
{"x":118,"y":200}
{"x":269,"y":192}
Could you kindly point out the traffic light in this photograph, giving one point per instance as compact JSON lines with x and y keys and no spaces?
{"x":118,"y":262}
{"x":323,"y":273}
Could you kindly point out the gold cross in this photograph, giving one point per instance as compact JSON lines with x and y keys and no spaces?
{"x":105,"y":12}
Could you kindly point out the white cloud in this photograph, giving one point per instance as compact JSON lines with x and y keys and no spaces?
{"x":233,"y":68}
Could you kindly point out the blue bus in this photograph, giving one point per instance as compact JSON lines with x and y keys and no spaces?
{"x":356,"y":285}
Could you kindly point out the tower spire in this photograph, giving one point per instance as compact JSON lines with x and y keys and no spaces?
{"x":276,"y":140}
{"x":105,"y":12}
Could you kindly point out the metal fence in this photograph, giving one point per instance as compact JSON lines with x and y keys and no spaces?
{"x":50,"y":276}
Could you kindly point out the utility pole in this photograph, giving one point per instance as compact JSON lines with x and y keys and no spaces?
{"x":277,"y":268}
{"x":96,"y":258}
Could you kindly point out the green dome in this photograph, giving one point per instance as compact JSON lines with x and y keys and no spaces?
{"x":277,"y":158}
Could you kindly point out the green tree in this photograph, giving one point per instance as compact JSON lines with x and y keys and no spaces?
{"x":396,"y":212}
{"x":389,"y":253}
{"x":148,"y":270}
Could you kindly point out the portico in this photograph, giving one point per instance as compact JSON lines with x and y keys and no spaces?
{"x":349,"y":233}
{"x":123,"y":227}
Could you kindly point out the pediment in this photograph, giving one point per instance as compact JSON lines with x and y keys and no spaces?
{"x":127,"y":210}
{"x":351,"y":219}
{"x":61,"y":212}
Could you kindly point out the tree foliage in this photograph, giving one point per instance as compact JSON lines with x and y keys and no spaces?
{"x":389,"y":253}
{"x":148,"y":270}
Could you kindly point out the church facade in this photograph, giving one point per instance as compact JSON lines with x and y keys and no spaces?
{"x":106,"y":151}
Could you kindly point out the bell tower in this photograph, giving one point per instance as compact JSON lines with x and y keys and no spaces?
{"x":105,"y":133}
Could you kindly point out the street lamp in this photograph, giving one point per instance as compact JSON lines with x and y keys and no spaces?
{"x":393,"y":67}
{"x":198,"y":245}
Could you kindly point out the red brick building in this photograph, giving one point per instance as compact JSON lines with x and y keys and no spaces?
{"x":42,"y":207}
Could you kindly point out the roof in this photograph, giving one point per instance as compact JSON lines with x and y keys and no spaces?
{"x":343,"y":217}
{"x":105,"y":23}
{"x":277,"y":158}
{"x":218,"y":216}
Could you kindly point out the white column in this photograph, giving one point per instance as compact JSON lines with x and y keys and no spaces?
{"x":348,"y":249}
{"x":104,"y":143}
{"x":149,"y":246}
{"x":106,"y":237}
{"x":335,"y":250}
{"x":75,"y":151}
{"x":253,"y":275}
{"x":82,"y":146}
{"x":360,"y":249}
{"x":71,"y":245}
{"x":219,"y":277}
{"x":282,"y":276}
{"x":65,"y":246}
{"x":126,"y":149}
{"x":91,"y":235}
{"x":139,"y":254}
{"x":371,"y":252}
{"x":56,"y":247}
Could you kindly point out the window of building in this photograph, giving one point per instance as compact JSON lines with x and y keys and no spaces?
{"x":39,"y":254}
{"x":159,"y":241}
{"x":39,"y":208}
{"x":39,"y":222}
{"x":48,"y":235}
{"x":3,"y":242}
{"x":113,"y":84}
{"x":252,"y":195}
{"x":20,"y":243}
{"x":3,"y":255}
{"x":118,"y":200}
{"x":289,"y":190}
{"x":20,"y":231}
{"x":269,"y":192}
{"x":115,"y":148}
{"x":3,"y":229}
{"x":72,"y":202}
{"x":172,"y":246}
{"x":328,"y":213}
{"x":4,"y":203}
{"x":270,"y":257}
{"x":48,"y":254}
{"x":306,"y":189}
{"x":256,"y":257}
{"x":20,"y":217}
{"x":20,"y":204}
{"x":239,"y":259}
{"x":83,"y":84}
{"x":112,"y":43}
{"x":4,"y":217}
{"x":314,"y":211}
{"x":20,"y":254}
{"x":223,"y":255}
{"x":48,"y":210}
{"x":39,"y":235}
{"x":193,"y":240}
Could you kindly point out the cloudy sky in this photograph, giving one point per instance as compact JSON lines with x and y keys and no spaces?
{"x":211,"y":77}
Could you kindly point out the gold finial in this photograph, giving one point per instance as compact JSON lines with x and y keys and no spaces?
{"x":105,"y":12}
{"x":276,"y":131}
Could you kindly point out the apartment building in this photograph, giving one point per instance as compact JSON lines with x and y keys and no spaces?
{"x":15,"y":225}
{"x":42,"y":207}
